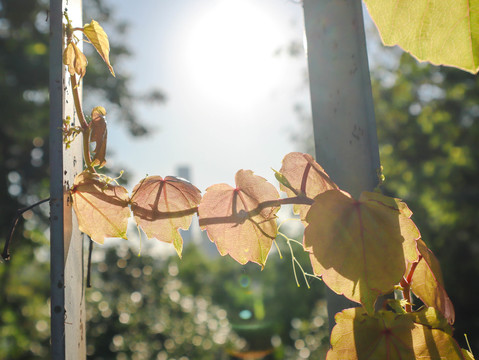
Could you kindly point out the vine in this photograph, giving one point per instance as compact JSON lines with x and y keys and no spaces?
{"x":360,"y":248}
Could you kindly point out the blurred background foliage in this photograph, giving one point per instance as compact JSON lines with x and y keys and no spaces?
{"x":428,"y":130}
{"x":196,"y":308}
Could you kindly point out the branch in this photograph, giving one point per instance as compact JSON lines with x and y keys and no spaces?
{"x":242,"y":215}
{"x":20,"y":212}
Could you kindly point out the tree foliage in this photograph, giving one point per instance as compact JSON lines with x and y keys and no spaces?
{"x":428,"y":132}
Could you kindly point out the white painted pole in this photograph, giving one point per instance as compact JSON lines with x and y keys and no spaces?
{"x":342,"y":106}
{"x":66,"y":255}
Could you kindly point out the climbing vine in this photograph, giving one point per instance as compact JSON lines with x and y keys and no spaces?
{"x":361,"y":248}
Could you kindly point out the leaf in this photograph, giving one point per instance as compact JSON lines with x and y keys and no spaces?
{"x":388,"y":336}
{"x":163,"y":206}
{"x":99,"y":135}
{"x":428,"y":285}
{"x":467,"y":354}
{"x":235,"y":222}
{"x":101,"y":208}
{"x":359,"y":247}
{"x":304,"y":175}
{"x":443,"y":32}
{"x":75,"y":60}
{"x":69,"y":58}
{"x":432,"y":318}
{"x":99,"y":39}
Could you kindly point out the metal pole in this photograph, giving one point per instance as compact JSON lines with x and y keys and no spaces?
{"x":66,"y":242}
{"x":342,"y":106}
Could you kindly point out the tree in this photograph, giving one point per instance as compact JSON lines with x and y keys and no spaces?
{"x":24,"y":174}
{"x":428,"y":132}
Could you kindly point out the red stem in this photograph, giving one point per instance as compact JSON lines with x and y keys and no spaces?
{"x":406,"y":284}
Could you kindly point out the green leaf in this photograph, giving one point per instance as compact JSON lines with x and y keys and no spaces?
{"x":388,"y":336}
{"x":305,"y":176}
{"x":99,"y":39}
{"x":101,"y":207}
{"x":443,"y":32}
{"x":359,"y":247}
{"x":163,"y":206}
{"x":428,"y":285}
{"x":235,"y":223}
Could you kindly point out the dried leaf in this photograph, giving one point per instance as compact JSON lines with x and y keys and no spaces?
{"x":101,"y":208}
{"x":75,"y":60}
{"x":388,"y":336}
{"x":306,"y":176}
{"x":97,"y":36}
{"x":428,"y":285}
{"x":99,"y":135}
{"x":163,"y":206}
{"x":359,"y":247}
{"x":80,"y":61}
{"x":235,"y":223}
{"x":69,"y":58}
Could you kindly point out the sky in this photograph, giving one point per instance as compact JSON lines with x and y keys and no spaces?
{"x":230,"y":84}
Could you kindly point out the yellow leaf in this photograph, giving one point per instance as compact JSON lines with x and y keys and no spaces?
{"x":443,"y":32}
{"x":360,"y":247}
{"x":99,"y":39}
{"x":388,"y":336}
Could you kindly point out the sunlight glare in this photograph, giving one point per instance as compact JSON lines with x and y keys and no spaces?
{"x":229,"y":52}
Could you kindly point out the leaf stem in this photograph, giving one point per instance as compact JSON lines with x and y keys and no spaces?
{"x":406,"y":285}
{"x":84,"y":125}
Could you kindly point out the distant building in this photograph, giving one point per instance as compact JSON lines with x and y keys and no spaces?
{"x":194,"y":234}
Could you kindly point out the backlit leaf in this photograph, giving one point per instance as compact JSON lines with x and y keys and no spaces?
{"x":388,"y":336}
{"x":101,"y":208}
{"x":233,"y":220}
{"x":99,"y":39}
{"x":467,"y":354}
{"x":359,"y":247}
{"x":428,"y":285}
{"x":163,"y":206}
{"x":443,"y":32}
{"x":306,"y":176}
{"x":431,"y":318}
{"x":99,"y":135}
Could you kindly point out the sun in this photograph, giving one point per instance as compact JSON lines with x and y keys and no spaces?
{"x":229,"y":52}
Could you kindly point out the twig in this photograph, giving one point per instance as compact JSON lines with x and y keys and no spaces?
{"x":20,"y":212}
{"x":88,"y":273}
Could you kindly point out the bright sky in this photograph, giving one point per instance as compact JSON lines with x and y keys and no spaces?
{"x":230,"y":98}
